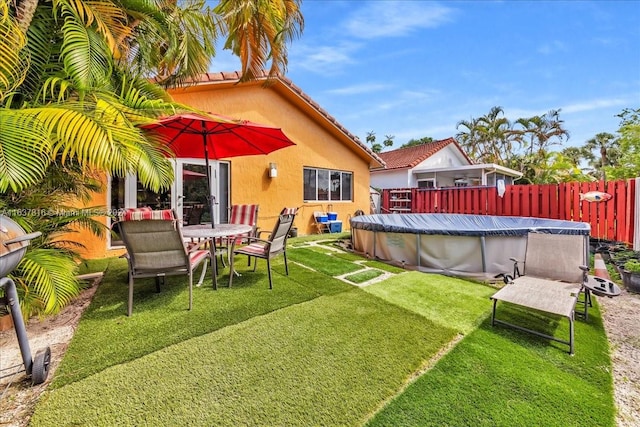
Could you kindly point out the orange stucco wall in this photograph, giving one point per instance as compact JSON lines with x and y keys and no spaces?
{"x":317,"y":145}
{"x":95,"y":247}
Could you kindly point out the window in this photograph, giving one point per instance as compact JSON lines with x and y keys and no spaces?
{"x":325,"y":184}
{"x":427,"y":183}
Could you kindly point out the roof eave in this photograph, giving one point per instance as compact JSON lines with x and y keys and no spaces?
{"x":286,"y":87}
{"x":486,"y":166}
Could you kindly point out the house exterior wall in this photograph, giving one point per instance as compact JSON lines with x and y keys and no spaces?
{"x":402,"y":178}
{"x":316,"y":146}
{"x":96,"y":247}
{"x":395,"y":178}
{"x":447,"y":157}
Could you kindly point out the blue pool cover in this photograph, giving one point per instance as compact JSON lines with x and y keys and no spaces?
{"x":466,"y":225}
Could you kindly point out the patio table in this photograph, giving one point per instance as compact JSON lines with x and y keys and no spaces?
{"x":205,"y":231}
{"x":601,"y":287}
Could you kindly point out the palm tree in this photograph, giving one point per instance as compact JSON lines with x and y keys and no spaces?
{"x":259,"y":30}
{"x":573,"y":154}
{"x":496,"y":133}
{"x":606,"y":145}
{"x":538,"y":133}
{"x":86,"y":86}
{"x":78,"y":77}
{"x":487,"y":139}
{"x":45,"y":277}
{"x":469,"y":139}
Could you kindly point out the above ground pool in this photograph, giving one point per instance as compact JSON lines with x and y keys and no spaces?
{"x":478,"y":246}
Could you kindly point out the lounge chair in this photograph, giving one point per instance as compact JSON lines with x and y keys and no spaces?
{"x":269,"y":248}
{"x":155,"y":248}
{"x":553,"y":275}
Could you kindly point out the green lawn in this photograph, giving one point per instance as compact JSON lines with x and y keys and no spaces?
{"x":501,"y":377}
{"x":317,"y":351}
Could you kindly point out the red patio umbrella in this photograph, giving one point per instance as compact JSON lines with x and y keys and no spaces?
{"x":187,"y":174}
{"x":217,"y":137}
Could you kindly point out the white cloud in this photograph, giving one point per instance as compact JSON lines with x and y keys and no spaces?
{"x":323,"y":59}
{"x":359,"y":89}
{"x":569,"y":109}
{"x":595,"y":104}
{"x":396,"y":18}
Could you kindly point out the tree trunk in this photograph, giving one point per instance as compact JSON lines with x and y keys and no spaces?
{"x":25,"y":9}
{"x":603,"y":160}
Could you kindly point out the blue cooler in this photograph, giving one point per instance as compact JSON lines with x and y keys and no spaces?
{"x":335,"y":227}
{"x":333,"y":216}
{"x":323,"y":218}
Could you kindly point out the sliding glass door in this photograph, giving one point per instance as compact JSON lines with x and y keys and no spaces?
{"x":187,"y":195}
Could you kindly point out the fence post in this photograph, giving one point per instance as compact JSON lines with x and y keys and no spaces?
{"x":636,"y":215}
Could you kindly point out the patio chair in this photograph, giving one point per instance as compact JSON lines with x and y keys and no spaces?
{"x":194,"y":214}
{"x":240,"y":214}
{"x":552,"y":276}
{"x":271,"y":247}
{"x":155,"y":248}
{"x":245,"y":214}
{"x":288,"y":211}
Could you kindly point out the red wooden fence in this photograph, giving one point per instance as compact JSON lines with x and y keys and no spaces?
{"x":610,"y":220}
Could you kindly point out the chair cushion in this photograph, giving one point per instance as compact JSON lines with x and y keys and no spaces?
{"x":254,"y":249}
{"x":139,"y":214}
{"x":244,"y":214}
{"x":197,"y":256}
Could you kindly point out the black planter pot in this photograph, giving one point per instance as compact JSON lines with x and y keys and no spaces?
{"x":630,"y":280}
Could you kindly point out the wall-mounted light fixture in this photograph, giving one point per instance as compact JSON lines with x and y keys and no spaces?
{"x":273,"y":170}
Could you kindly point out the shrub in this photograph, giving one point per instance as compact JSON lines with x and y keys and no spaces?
{"x":632,"y":266}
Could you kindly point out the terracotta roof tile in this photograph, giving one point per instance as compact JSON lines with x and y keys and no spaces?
{"x":411,"y":156}
{"x":228,"y":76}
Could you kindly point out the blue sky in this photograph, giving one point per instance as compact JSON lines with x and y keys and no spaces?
{"x":416,"y":68}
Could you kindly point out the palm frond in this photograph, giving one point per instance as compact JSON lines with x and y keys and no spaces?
{"x":85,"y":53}
{"x":101,"y":136}
{"x":13,"y":63}
{"x":41,"y":45}
{"x":25,"y":149}
{"x":259,"y":31}
{"x":50,"y":275}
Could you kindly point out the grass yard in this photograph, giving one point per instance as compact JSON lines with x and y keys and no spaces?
{"x":501,"y":377}
{"x":318,"y":351}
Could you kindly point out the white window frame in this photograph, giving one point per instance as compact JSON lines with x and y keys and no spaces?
{"x":330,"y":172}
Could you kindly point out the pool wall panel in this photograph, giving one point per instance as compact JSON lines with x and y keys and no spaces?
{"x":460,"y":245}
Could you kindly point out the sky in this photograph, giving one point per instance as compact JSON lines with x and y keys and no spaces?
{"x":415,"y":68}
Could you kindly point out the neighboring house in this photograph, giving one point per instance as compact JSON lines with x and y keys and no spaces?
{"x":437,"y":164}
{"x":327,"y":169}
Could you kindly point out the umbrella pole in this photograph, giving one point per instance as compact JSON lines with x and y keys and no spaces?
{"x":209,"y":196}
{"x":206,"y":162}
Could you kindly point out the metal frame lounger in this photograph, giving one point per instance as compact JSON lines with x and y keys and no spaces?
{"x":554,"y":275}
